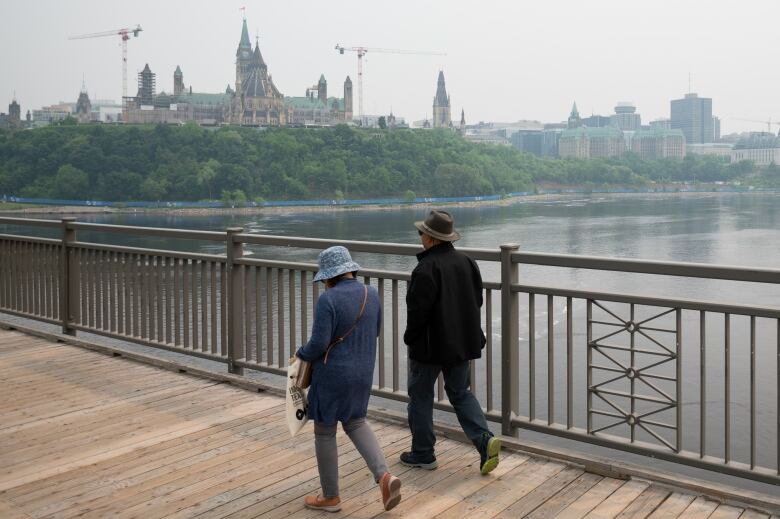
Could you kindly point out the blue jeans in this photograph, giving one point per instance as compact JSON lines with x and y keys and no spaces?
{"x":422,"y":379}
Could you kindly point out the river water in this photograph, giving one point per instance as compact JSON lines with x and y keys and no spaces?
{"x":733,"y":229}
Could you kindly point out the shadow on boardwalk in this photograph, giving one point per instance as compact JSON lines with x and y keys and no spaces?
{"x":90,"y":436}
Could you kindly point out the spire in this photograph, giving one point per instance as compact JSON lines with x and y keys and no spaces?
{"x":462,"y":117}
{"x":441,"y":99}
{"x":322,"y":78}
{"x":574,"y":112}
{"x":257,"y":57}
{"x":177,"y":72}
{"x":83,"y":85}
{"x":245,"y":43}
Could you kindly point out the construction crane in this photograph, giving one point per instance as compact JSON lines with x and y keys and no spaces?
{"x":124,"y":34}
{"x":362,"y":51}
{"x":768,"y":123}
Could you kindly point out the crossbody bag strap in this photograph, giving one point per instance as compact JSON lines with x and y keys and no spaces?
{"x":354,"y":325}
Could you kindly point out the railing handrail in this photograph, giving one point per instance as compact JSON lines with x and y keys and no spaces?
{"x":637,"y":266}
{"x":30,"y":222}
{"x":655,"y":267}
{"x":688,"y":304}
{"x":400,"y":249}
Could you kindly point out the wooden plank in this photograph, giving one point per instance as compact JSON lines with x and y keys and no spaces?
{"x":538,"y":496}
{"x":279,"y":468}
{"x":674,"y":505}
{"x":502,"y":493}
{"x":753,"y":514}
{"x":102,"y":452}
{"x":619,"y":500}
{"x":645,"y":504}
{"x":565,"y":497}
{"x":139,"y":424}
{"x":9,"y":511}
{"x":118,"y":423}
{"x":292,"y":483}
{"x":414,"y":482}
{"x":119,"y":468}
{"x":153,"y":494}
{"x":465,"y":480}
{"x":151,"y":475}
{"x":591,"y":499}
{"x":285,"y":496}
{"x":701,"y":508}
{"x":727,"y":512}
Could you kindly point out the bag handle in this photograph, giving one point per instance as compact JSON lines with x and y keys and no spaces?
{"x":354,"y":325}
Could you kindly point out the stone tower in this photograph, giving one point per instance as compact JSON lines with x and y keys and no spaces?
{"x":322,"y":90}
{"x":83,"y":106}
{"x":348,"y":99}
{"x":178,"y":81}
{"x":441,"y":105}
{"x":574,"y":117}
{"x":243,"y":57}
{"x":147,"y":86}
{"x":462,"y":120}
{"x":257,"y":101}
{"x":14,"y":113}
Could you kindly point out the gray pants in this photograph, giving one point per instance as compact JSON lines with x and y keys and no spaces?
{"x":328,"y":457}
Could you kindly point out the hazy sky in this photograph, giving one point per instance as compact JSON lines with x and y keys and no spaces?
{"x":506,"y":60}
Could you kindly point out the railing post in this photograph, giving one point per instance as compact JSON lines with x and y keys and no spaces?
{"x":235,"y":349}
{"x":69,"y":281}
{"x":510,"y":341}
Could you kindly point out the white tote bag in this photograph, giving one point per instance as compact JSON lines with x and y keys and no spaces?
{"x":296,"y":405}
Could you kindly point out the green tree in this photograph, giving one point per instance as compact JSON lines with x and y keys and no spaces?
{"x":206,"y":173}
{"x":154,"y":189}
{"x":71,"y":184}
{"x":382,"y":122}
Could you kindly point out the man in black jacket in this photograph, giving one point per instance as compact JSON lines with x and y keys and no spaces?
{"x":443,"y":333}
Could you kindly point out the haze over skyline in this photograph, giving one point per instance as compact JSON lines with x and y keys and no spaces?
{"x":505,"y":61}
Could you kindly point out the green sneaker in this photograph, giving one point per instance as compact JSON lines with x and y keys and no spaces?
{"x":489,"y":460}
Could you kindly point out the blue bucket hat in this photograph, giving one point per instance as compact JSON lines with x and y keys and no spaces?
{"x":333,"y":262}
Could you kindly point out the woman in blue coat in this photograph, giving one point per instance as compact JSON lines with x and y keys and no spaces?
{"x":342,"y":351}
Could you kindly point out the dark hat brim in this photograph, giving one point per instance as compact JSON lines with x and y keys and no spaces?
{"x":454,"y":236}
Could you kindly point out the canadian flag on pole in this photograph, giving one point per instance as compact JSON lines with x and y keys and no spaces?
{"x":243,"y":9}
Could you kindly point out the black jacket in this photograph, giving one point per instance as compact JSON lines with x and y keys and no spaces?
{"x":443,"y":324}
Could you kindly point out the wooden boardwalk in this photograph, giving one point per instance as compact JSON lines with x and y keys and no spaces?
{"x":91,"y":436}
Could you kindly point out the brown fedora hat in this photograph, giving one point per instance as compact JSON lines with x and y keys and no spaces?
{"x":439,"y":225}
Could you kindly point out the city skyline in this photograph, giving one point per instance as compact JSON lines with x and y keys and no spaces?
{"x":525,"y":59}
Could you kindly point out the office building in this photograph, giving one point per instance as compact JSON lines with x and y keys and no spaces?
{"x":658,"y":143}
{"x":693,"y":115}
{"x":626,"y":118}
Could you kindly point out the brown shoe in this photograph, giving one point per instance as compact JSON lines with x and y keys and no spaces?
{"x":329,"y":504}
{"x":391,"y":490}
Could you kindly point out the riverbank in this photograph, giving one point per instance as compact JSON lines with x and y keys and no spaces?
{"x":336,"y":207}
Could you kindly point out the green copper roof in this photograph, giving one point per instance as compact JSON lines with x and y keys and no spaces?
{"x":199,"y":98}
{"x":322,"y":77}
{"x":178,"y":70}
{"x":245,"y":37}
{"x":304,"y":103}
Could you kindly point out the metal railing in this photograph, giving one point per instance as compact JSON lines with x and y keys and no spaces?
{"x":663,"y":377}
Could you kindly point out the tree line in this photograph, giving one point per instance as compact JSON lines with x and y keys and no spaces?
{"x":189,"y":162}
